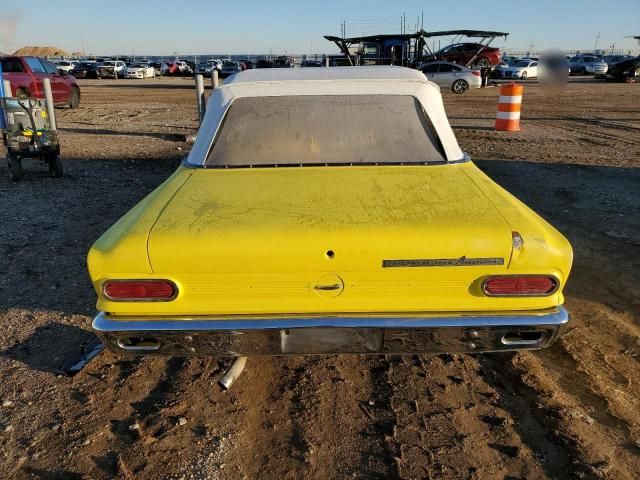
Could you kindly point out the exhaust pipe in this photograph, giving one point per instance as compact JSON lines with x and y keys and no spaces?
{"x":232,"y":374}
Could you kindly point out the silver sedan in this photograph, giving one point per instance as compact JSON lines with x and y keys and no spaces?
{"x":449,"y":75}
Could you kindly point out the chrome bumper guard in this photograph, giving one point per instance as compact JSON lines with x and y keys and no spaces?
{"x":242,"y":336}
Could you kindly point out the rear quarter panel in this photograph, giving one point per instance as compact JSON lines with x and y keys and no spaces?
{"x":545,"y":249}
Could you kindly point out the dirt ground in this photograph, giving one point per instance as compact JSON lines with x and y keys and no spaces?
{"x":571,"y":411}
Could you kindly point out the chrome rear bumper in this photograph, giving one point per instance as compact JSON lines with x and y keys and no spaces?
{"x":242,"y":336}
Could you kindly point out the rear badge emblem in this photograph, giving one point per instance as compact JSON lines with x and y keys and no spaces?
{"x":442,"y":262}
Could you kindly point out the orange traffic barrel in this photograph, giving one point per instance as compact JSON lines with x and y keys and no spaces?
{"x":508,"y":116}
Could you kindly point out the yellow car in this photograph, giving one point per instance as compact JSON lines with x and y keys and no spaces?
{"x":328,"y":210}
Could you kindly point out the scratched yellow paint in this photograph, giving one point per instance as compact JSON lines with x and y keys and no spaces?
{"x":259,"y":241}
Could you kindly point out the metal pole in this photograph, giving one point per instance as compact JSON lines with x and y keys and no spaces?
{"x":46,"y":83}
{"x":200,"y":96}
{"x":326,"y":60}
{"x":215,"y":81}
{"x":3,"y":89}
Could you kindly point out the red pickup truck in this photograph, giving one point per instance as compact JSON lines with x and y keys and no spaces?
{"x":25,"y":74}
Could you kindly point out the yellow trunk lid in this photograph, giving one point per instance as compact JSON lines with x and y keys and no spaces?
{"x":330,"y":239}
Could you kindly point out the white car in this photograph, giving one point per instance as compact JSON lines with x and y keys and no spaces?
{"x":141,"y":70}
{"x":184,"y":67}
{"x":454,"y":77}
{"x":112,"y":68}
{"x":523,"y":69}
{"x":65,"y":66}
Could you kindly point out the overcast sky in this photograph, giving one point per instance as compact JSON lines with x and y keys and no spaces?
{"x":162,"y":27}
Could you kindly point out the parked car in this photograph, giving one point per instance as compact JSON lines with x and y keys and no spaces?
{"x":160,"y":68}
{"x":463,"y":53}
{"x":588,"y":64}
{"x":85,"y":70}
{"x":497,"y":70}
{"x":611,"y":60}
{"x":246,"y":64}
{"x":229,"y":68}
{"x":112,"y":69}
{"x":523,"y":69}
{"x":451,"y":76}
{"x":141,"y":70}
{"x":312,"y":63}
{"x":184,"y":67}
{"x":179,"y":67}
{"x":625,"y":70}
{"x":365,"y":229}
{"x":25,"y":74}
{"x":284,"y":62}
{"x":65,"y":66}
{"x":207,"y":68}
{"x":264,"y":64}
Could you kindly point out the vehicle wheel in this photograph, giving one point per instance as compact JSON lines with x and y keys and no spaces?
{"x":22,"y":93}
{"x":460,"y":86}
{"x":74,"y":99}
{"x":15,"y":167}
{"x":483,"y":62}
{"x":524,"y":75}
{"x":55,"y":165}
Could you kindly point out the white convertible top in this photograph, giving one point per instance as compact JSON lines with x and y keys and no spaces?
{"x":331,"y":73}
{"x":273,"y":82}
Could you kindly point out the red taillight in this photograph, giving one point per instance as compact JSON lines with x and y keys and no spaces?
{"x":139,"y":290}
{"x":520,"y":285}
{"x":476,"y":73}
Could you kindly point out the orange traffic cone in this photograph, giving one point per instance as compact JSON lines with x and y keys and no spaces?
{"x":508,"y":116}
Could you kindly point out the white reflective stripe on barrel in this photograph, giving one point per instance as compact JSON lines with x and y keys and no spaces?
{"x":508,"y":99}
{"x":508,"y":115}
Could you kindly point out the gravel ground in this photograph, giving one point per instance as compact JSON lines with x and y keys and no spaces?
{"x":567,"y":412}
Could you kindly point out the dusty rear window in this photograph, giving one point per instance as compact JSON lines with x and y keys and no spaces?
{"x":336,"y":130}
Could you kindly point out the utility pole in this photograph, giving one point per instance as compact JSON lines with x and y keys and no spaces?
{"x":597,"y":40}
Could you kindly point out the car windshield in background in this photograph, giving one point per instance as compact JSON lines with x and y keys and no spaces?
{"x":335,"y":130}
{"x":592,"y":59}
{"x":522,"y":64}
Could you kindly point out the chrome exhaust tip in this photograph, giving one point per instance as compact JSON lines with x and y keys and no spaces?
{"x":524,"y":338}
{"x":138,"y":344}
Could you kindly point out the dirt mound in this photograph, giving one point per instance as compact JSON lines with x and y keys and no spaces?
{"x":41,"y":51}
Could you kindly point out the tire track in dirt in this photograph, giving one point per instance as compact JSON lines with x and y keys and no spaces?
{"x":449,"y":423}
{"x":319,"y":417}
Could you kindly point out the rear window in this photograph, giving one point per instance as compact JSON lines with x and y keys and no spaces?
{"x":319,"y":130}
{"x":11,"y":65}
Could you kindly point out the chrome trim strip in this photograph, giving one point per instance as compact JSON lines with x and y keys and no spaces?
{"x":242,"y":336}
{"x":106,"y":324}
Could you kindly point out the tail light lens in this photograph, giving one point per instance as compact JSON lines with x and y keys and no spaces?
{"x":139,"y":290}
{"x":524,"y":285}
{"x":476,"y":73}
